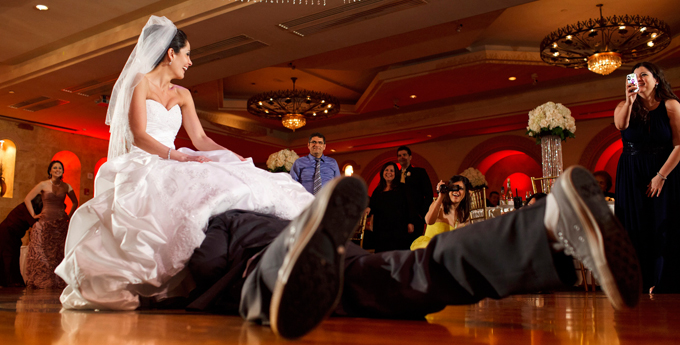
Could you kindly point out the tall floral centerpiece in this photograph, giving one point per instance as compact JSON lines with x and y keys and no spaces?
{"x":281,"y":161}
{"x":551,"y":123}
{"x":477,"y":179}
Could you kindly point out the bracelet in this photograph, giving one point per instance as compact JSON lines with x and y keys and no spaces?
{"x":169,"y":150}
{"x":662,"y":177}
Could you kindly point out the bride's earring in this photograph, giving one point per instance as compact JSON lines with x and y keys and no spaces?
{"x":170,"y":63}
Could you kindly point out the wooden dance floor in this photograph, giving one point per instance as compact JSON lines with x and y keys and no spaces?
{"x":35,"y":317}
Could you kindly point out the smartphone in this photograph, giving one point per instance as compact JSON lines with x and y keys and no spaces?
{"x":631,"y":79}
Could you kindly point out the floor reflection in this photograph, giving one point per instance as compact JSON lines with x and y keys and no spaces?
{"x":36,"y":317}
{"x":535,"y":319}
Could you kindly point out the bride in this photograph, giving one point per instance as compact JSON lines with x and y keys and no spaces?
{"x":152,"y":202}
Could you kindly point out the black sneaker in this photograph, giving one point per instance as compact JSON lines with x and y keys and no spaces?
{"x":310,"y":279}
{"x":590,"y":232}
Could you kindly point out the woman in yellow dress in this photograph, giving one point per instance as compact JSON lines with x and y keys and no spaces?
{"x":450,"y":211}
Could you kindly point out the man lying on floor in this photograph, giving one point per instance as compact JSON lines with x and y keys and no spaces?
{"x":292,"y":274}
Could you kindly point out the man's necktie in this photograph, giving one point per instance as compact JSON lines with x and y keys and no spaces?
{"x":317,"y":176}
{"x":403,"y":175}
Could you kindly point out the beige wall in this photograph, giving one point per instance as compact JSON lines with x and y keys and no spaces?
{"x":35,"y":149}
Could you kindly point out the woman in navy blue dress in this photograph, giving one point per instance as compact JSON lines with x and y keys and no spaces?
{"x":647,"y":181}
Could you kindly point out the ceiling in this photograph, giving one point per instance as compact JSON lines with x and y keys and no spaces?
{"x":454,"y":56}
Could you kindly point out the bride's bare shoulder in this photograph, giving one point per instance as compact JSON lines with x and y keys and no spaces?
{"x":141,"y":79}
{"x":183,"y":93}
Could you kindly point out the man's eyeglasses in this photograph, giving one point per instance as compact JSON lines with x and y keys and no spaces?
{"x":316,"y":142}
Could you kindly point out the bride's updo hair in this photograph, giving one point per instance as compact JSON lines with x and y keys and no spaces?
{"x":178,"y":42}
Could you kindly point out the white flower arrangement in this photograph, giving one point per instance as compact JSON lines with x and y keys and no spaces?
{"x":551,"y":119}
{"x":282,"y":160}
{"x":477,"y":179}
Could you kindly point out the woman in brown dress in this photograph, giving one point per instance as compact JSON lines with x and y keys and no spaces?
{"x":48,"y":236}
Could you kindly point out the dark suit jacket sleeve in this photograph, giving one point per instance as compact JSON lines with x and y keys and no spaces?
{"x":413,"y":217}
{"x":424,"y":190}
{"x":427,"y":187}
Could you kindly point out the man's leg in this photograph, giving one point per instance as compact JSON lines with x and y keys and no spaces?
{"x":232,"y":243}
{"x":521,"y":252}
{"x":298,"y":280}
{"x":496,"y":258}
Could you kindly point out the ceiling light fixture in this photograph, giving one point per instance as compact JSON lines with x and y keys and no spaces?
{"x":41,"y":7}
{"x":413,"y":96}
{"x":604,"y":44}
{"x":294,"y":2}
{"x":294,"y":107}
{"x":512,"y":78}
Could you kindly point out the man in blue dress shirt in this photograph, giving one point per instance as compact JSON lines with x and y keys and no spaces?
{"x":315,"y":169}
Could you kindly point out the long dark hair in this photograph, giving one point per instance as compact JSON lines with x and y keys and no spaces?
{"x":49,"y":169}
{"x":662,"y":92}
{"x":463,"y":209}
{"x":178,"y":42}
{"x":383,"y":183}
{"x":37,"y":204}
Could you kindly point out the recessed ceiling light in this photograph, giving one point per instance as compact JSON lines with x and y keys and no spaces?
{"x":11,"y":91}
{"x":332,"y":150}
{"x":413,"y":96}
{"x":429,"y":135}
{"x":41,"y":7}
{"x":512,"y":78}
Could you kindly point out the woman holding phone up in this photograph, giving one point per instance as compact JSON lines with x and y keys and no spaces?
{"x":647,"y":181}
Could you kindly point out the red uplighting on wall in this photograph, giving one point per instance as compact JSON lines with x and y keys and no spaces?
{"x":520,"y":183}
{"x":516,"y":165}
{"x":98,"y":165}
{"x":493,"y":158}
{"x":608,"y":154}
{"x":609,"y":161}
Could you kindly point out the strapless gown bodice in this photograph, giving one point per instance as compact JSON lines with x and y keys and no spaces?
{"x":53,"y":205}
{"x":163,"y":124}
{"x":148,"y":215}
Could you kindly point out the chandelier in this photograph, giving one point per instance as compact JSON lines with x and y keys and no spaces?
{"x":604,"y":44}
{"x":294,"y":107}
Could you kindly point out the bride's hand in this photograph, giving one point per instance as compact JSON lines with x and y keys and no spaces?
{"x":199,"y":159}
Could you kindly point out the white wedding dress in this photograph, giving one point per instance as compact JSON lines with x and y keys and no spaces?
{"x":149,"y":214}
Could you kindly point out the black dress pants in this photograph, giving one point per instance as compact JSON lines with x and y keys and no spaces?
{"x":495,"y":258}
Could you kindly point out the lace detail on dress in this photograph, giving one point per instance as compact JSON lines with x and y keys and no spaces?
{"x":46,"y":248}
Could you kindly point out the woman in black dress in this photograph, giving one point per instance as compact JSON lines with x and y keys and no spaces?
{"x":12,"y":229}
{"x":392,"y":210}
{"x":647,"y":181}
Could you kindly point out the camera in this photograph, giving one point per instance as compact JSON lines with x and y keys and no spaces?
{"x":443,"y":189}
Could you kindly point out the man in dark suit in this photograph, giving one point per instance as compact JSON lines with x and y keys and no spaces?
{"x":420,"y":188}
{"x":292,"y":274}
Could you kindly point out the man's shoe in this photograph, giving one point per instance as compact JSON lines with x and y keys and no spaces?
{"x":590,"y":232}
{"x":309,"y":282}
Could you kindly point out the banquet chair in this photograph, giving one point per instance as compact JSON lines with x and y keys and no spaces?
{"x":358,"y":236}
{"x":545,"y":185}
{"x":478,"y":210}
{"x":584,"y":276}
